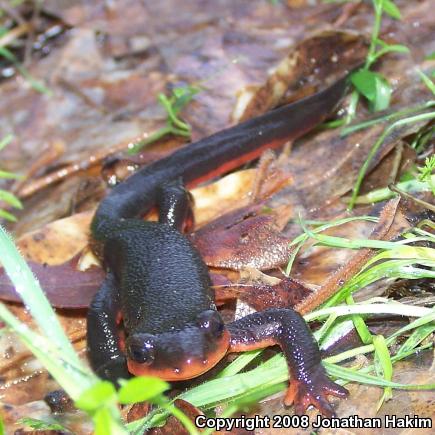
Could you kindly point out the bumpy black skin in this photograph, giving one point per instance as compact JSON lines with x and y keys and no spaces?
{"x":158,"y":282}
{"x":105,"y":355}
{"x":287,"y":329}
{"x":226,"y":149}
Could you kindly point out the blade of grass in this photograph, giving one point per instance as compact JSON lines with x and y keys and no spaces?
{"x":404,"y":252}
{"x":8,"y":216}
{"x":409,"y":186}
{"x":384,"y":366}
{"x":71,"y":376}
{"x":422,"y":322}
{"x":54,"y":350}
{"x":49,"y":424}
{"x":410,"y":120}
{"x":239,"y":364}
{"x":341,"y":242}
{"x":10,"y":175}
{"x":6,"y":141}
{"x":10,"y":199}
{"x":389,"y":269}
{"x":404,"y":266}
{"x":302,"y":238}
{"x":36,"y":84}
{"x":322,"y":333}
{"x":387,"y":308}
{"x":360,"y":326}
{"x":386,"y":118}
{"x":32,"y":295}
{"x":427,"y":81}
{"x":417,"y":336}
{"x":350,"y":375}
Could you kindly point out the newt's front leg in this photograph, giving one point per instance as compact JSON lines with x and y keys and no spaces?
{"x":309,"y":384}
{"x":104,"y":350}
{"x":175,"y":205}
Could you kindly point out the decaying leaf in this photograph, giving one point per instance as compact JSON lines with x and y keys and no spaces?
{"x":173,"y":425}
{"x":245,"y":238}
{"x":311,"y":61}
{"x":64,"y":285}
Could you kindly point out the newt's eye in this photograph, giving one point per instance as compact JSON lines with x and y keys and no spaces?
{"x":210,"y":321}
{"x":140,"y":348}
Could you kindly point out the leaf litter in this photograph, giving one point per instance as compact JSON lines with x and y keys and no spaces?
{"x":105,"y":75}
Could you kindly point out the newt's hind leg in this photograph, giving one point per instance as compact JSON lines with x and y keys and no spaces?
{"x":175,"y":205}
{"x":104,"y":351}
{"x":309,"y":384}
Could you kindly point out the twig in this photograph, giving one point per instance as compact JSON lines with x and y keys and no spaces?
{"x":346,"y":272}
{"x":424,"y":204}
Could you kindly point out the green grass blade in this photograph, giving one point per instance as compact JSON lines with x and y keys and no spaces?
{"x":36,"y":84}
{"x":350,"y":375}
{"x":6,"y":141}
{"x":32,"y":295}
{"x":53,"y":350}
{"x":302,"y":237}
{"x":387,"y":308}
{"x":239,"y":363}
{"x":360,"y":326}
{"x":384,"y":366}
{"x":427,"y":81}
{"x":410,"y":186}
{"x":10,"y":175}
{"x":8,"y":216}
{"x":10,"y":199}
{"x":412,"y":119}
{"x":386,"y":118}
{"x":417,"y":336}
{"x":68,"y":374}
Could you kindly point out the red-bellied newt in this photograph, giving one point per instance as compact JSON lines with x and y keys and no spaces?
{"x":158,"y":285}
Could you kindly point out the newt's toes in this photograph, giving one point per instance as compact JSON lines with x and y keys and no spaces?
{"x":314,"y":391}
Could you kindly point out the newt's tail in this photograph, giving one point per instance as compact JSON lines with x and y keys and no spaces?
{"x":215,"y":155}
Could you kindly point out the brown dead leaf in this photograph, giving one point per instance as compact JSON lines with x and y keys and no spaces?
{"x":64,"y":285}
{"x":319,"y":180}
{"x":173,"y":426}
{"x":137,"y":411}
{"x":286,"y":293}
{"x":244,"y":238}
{"x":57,"y":242}
{"x":314,"y":60}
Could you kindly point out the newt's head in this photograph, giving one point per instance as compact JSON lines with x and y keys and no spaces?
{"x":179,"y":354}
